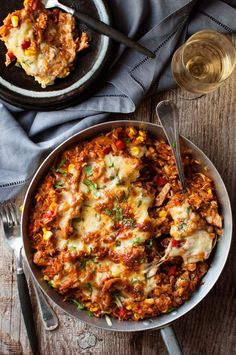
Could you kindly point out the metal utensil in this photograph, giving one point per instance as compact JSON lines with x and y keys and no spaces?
{"x":11,"y":227}
{"x":167,"y":113}
{"x":217,"y":263}
{"x":100,"y":27}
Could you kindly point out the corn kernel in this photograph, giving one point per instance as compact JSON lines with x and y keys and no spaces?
{"x":132,"y":132}
{"x":115,"y":274}
{"x":158,"y":234}
{"x":46,"y":234}
{"x":142,"y":134}
{"x":180,"y":291}
{"x":129,"y":307}
{"x":26,"y":2}
{"x":139,"y":140}
{"x":166,"y":169}
{"x":136,"y":316}
{"x":70,"y":168}
{"x":30,"y":52}
{"x":151,"y":150}
{"x":209,"y":191}
{"x":149,"y":300}
{"x":94,"y":309}
{"x":21,"y":208}
{"x":53,"y":206}
{"x":52,"y":284}
{"x":15,"y":21}
{"x":46,"y":278}
{"x":134,"y":151}
{"x":162,"y":213}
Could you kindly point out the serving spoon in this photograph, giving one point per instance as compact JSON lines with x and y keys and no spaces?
{"x":167,"y":113}
{"x":100,"y":27}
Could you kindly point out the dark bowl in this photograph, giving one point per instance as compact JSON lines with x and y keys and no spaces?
{"x":23,"y":91}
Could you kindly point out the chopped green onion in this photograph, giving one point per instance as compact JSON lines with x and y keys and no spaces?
{"x":83,"y":261}
{"x":118,"y":243}
{"x":127,"y":140}
{"x":59,"y":185}
{"x":98,"y":217}
{"x":129,"y":222}
{"x":18,"y":65}
{"x":90,"y":313}
{"x":118,"y":214}
{"x":89,"y":288}
{"x":111,"y":165}
{"x":78,"y":304}
{"x":118,"y":301}
{"x":174,"y":144}
{"x":92,"y":186}
{"x":139,"y":203}
{"x":188,"y":209}
{"x":108,"y":212}
{"x":75,"y":221}
{"x":137,"y":241}
{"x":89,"y":170}
{"x":72,"y":247}
{"x":182,"y":224}
{"x":149,"y":244}
{"x":61,"y":171}
{"x":134,"y":280}
{"x":62,"y":163}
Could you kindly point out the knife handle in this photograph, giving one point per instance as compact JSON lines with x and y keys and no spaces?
{"x":27,"y":311}
{"x":107,"y":30}
{"x":112,"y":33}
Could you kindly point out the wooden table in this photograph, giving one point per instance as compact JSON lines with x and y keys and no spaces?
{"x":210,"y":328}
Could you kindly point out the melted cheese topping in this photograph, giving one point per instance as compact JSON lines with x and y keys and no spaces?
{"x":196,"y":243}
{"x":196,"y":247}
{"x":105,"y":230}
{"x":119,"y":172}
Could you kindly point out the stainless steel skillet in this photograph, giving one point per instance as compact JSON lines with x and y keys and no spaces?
{"x":218,"y":260}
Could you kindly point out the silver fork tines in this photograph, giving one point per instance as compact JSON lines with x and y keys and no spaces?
{"x":9,"y":215}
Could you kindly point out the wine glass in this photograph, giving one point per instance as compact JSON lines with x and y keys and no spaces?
{"x":203,"y":63}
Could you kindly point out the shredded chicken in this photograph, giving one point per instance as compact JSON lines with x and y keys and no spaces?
{"x":162,"y":195}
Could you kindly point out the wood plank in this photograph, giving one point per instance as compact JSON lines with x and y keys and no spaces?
{"x":210,"y":122}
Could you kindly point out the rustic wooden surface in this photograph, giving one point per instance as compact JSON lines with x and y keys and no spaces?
{"x":210,"y":328}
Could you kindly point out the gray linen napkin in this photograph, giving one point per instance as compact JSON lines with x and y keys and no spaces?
{"x":162,"y":25}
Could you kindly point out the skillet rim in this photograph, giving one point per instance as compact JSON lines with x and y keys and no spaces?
{"x":216,"y":266}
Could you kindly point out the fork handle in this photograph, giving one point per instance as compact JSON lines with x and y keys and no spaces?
{"x":107,"y":30}
{"x":27,"y":311}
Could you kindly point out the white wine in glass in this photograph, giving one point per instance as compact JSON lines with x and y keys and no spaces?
{"x":204,"y":62}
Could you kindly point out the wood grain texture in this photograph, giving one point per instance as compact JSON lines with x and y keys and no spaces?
{"x":210,"y":328}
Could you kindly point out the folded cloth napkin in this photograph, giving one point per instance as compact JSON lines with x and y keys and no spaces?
{"x":161,"y":25}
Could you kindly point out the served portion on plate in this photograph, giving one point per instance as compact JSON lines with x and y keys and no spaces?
{"x":110,"y":206}
{"x":43,"y":42}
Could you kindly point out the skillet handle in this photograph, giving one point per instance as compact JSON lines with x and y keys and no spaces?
{"x":170,"y":340}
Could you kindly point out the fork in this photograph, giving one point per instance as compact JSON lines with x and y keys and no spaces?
{"x":11,"y":227}
{"x":100,"y":27}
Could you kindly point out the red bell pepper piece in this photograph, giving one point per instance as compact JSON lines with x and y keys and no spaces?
{"x":25,"y":44}
{"x":120,"y":144}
